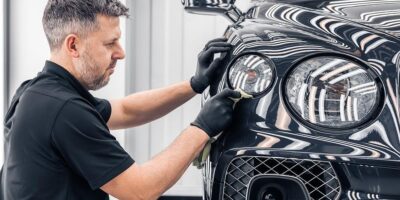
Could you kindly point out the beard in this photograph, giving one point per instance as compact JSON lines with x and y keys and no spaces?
{"x":91,"y":75}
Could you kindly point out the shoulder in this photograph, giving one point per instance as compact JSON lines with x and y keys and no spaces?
{"x":77,"y":118}
{"x":78,"y":105}
{"x":57,"y":90}
{"x":78,"y":111}
{"x":53,"y":87}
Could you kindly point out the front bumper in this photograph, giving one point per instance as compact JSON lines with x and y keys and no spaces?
{"x":324,"y":177}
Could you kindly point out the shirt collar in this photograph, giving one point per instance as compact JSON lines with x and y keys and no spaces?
{"x":55,"y":69}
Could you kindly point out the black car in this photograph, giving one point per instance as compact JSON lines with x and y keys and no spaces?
{"x":323,"y":122}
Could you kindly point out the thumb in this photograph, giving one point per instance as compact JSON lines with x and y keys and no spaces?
{"x":228,"y":93}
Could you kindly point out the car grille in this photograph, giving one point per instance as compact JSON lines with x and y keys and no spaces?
{"x":318,"y":176}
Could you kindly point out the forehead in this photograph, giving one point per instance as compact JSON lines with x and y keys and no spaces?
{"x":108,"y":26}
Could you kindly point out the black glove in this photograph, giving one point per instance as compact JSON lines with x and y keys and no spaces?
{"x":208,"y":68}
{"x":216,"y":114}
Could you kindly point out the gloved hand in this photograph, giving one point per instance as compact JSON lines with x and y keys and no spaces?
{"x":208,"y":68}
{"x":216,"y":114}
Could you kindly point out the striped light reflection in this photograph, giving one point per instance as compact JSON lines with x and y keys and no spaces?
{"x":251,"y":73}
{"x":332,"y":92}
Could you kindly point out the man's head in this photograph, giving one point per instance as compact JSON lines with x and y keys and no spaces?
{"x":84,"y":37}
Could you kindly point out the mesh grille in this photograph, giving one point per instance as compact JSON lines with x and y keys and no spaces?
{"x":319,"y":177}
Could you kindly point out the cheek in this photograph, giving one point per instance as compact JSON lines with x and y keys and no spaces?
{"x":106,"y":55}
{"x":103,"y":58}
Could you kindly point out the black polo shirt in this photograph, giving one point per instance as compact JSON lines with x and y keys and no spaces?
{"x":57,"y":144}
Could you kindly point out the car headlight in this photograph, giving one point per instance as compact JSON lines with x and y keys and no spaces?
{"x":252,"y":73}
{"x":332,"y":92}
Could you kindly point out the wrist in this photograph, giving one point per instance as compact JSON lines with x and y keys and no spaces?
{"x":198,"y":86}
{"x":199,"y":131}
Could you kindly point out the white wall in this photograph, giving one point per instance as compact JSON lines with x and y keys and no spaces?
{"x":164,"y":44}
{"x":28,"y":45}
{"x":116,"y":86}
{"x":29,"y":50}
{"x":1,"y":81}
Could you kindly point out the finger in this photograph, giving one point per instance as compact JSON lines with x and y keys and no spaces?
{"x":211,"y":51}
{"x":217,"y":67}
{"x":228,"y":93}
{"x":215,"y":70}
{"x":224,"y":55}
{"x":216,"y":40}
{"x":218,"y":44}
{"x":215,"y":64}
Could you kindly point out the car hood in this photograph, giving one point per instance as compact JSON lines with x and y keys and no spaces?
{"x":288,"y":33}
{"x":382,"y":15}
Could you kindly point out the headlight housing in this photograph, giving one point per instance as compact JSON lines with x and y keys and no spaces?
{"x":332,"y":92}
{"x":253,"y":73}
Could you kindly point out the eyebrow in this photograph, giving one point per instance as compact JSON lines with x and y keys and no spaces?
{"x":112,"y":40}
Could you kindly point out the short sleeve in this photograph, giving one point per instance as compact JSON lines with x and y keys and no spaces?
{"x":103,"y":107}
{"x":86,"y":145}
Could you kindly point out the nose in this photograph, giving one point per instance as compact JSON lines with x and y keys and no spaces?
{"x":119,"y":53}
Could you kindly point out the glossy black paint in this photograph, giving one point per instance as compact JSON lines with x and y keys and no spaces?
{"x":365,"y":158}
{"x":226,"y":8}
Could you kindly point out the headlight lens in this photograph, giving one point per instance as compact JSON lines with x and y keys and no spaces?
{"x":332,"y":92}
{"x":252,"y":73}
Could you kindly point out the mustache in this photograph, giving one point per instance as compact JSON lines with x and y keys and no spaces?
{"x":113,"y":64}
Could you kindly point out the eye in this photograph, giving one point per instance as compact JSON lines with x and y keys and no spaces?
{"x":110,"y":44}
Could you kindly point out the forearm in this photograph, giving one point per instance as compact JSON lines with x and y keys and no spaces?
{"x":151,"y":179}
{"x":167,"y":167}
{"x":143,"y":107}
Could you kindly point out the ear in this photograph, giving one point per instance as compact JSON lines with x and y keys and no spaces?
{"x":71,"y":44}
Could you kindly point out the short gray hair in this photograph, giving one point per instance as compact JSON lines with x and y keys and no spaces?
{"x":63,"y":17}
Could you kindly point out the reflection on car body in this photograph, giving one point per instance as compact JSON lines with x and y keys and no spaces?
{"x":324,"y":120}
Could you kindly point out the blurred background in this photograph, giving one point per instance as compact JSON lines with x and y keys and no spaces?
{"x":161,"y":43}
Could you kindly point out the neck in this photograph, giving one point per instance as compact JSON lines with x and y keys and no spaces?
{"x":66,"y":64}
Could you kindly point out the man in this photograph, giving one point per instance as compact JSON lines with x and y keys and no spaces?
{"x":57,"y":139}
